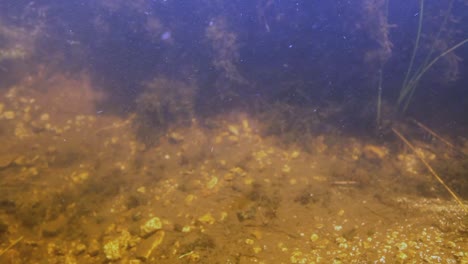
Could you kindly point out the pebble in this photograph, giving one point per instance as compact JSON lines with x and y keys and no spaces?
{"x":114,"y":249}
{"x":146,"y":247}
{"x":9,"y":115}
{"x":94,"y":248}
{"x":314,"y":237}
{"x":53,"y":228}
{"x":150,"y":227}
{"x":80,"y":249}
{"x":45,"y":117}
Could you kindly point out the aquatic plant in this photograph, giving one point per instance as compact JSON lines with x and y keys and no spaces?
{"x":162,"y":103}
{"x":375,"y":14}
{"x":412,"y":78}
{"x":379,"y":100}
{"x":431,"y":170}
{"x":226,"y":49}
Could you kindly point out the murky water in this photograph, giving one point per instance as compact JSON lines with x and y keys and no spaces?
{"x":133,"y":137}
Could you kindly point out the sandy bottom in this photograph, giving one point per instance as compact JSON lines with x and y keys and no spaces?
{"x":77,"y":186}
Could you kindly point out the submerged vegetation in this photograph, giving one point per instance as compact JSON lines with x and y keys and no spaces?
{"x":213,"y":131}
{"x":162,"y":103}
{"x":413,"y":77}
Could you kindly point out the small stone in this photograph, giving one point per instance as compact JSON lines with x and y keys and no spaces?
{"x":55,"y":249}
{"x":314,"y":237}
{"x":80,"y":249}
{"x":80,"y":177}
{"x":146,"y":247}
{"x":150,"y":227}
{"x":451,"y":244}
{"x":9,"y":115}
{"x":234,"y":130}
{"x":112,"y":250}
{"x":94,"y":248}
{"x":189,"y":199}
{"x":402,"y":255}
{"x":45,"y":117}
{"x":207,"y":219}
{"x":53,"y":228}
{"x":175,"y":138}
{"x":212,"y":183}
{"x":137,"y":216}
{"x":295,"y":154}
{"x":33,"y":171}
{"x":402,"y":246}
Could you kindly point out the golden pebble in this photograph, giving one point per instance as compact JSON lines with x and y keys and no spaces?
{"x":207,"y":219}
{"x":9,"y":115}
{"x":212,"y":183}
{"x":223,"y":216}
{"x":45,"y":117}
{"x":233,"y":129}
{"x":314,"y":237}
{"x":295,"y":154}
{"x":189,"y":199}
{"x":402,"y":255}
{"x":228,"y":176}
{"x":402,"y":246}
{"x":248,"y":181}
{"x":33,"y":171}
{"x":245,"y":124}
{"x":194,"y":257}
{"x":257,"y":234}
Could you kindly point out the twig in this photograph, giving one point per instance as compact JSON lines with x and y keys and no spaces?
{"x":433,"y":133}
{"x":186,"y":254}
{"x":454,"y":195}
{"x":11,"y":245}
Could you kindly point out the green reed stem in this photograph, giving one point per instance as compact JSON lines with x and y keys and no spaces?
{"x":404,"y":89}
{"x":379,"y":99}
{"x":414,"y":81}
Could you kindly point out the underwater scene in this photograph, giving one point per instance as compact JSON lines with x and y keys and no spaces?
{"x":240,"y":131}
